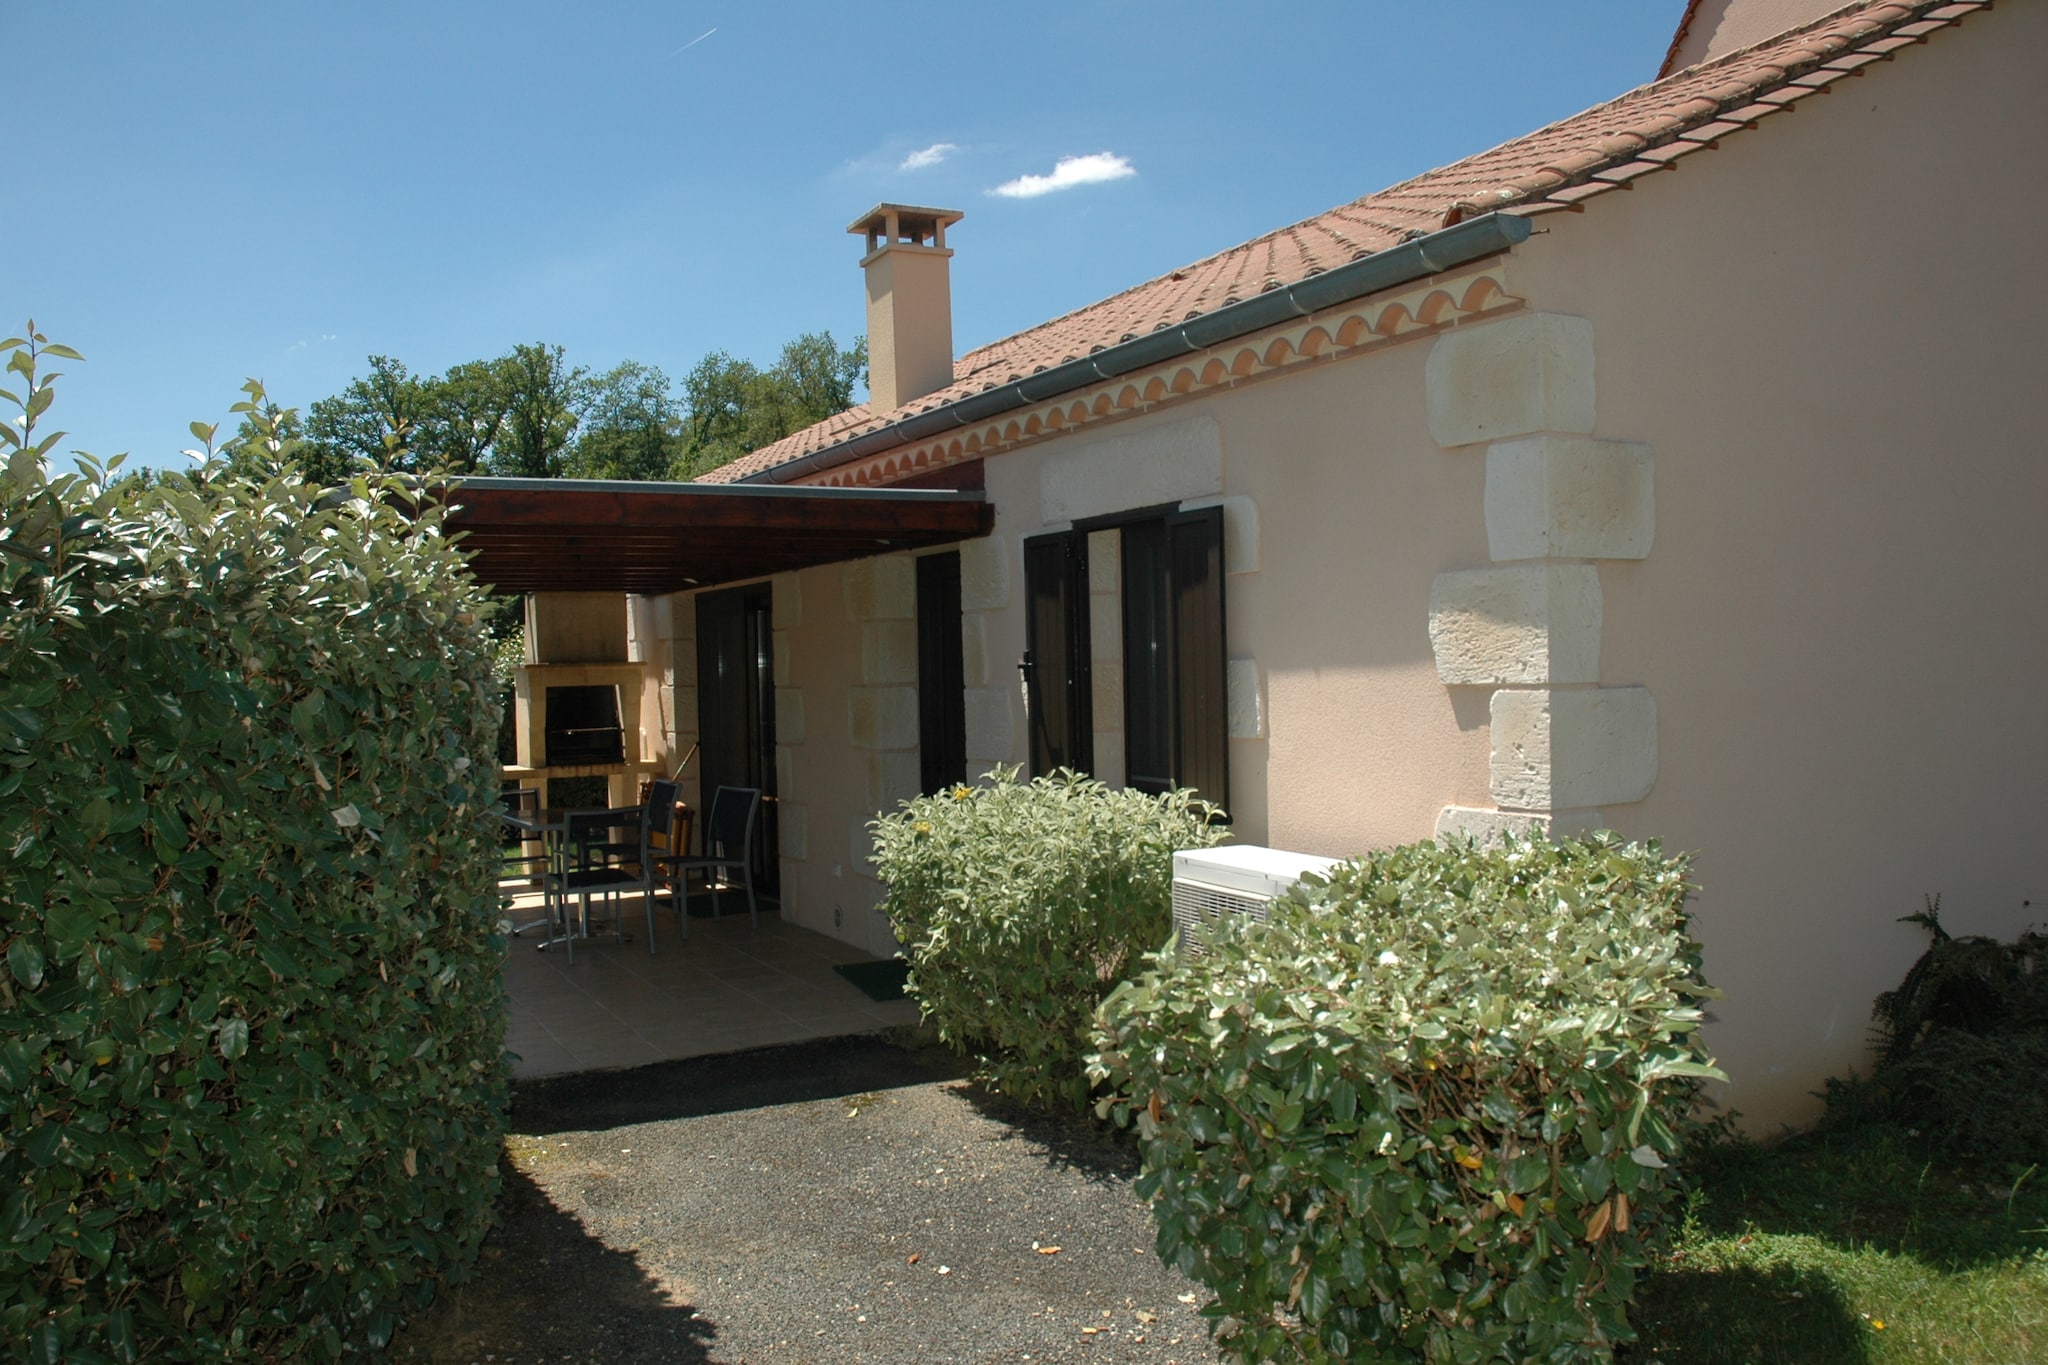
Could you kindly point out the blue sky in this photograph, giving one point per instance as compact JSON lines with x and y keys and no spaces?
{"x":280,"y":190}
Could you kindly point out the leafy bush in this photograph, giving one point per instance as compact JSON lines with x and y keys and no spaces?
{"x":1425,"y":1112}
{"x":1020,"y":905}
{"x":251,"y":1032}
{"x":1962,"y":1049}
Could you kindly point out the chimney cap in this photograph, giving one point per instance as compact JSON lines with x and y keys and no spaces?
{"x":904,"y":224}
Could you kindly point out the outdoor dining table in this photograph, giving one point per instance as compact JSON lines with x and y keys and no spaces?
{"x":550,"y":824}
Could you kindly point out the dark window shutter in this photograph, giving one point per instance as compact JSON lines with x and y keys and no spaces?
{"x":1201,"y":723}
{"x":1056,"y":676}
{"x":941,"y":698}
{"x":1149,"y":759}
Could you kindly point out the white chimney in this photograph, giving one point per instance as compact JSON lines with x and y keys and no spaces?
{"x":910,"y":302}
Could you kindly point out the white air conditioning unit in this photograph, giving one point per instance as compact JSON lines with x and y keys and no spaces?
{"x":1209,"y":883}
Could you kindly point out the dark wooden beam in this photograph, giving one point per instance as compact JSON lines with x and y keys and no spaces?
{"x":566,"y":535}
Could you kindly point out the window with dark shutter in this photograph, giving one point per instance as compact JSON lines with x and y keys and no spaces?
{"x":1055,"y":666}
{"x":941,"y":695}
{"x":1201,"y":722}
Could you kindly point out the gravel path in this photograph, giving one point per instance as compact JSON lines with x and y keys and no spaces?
{"x":830,"y":1202}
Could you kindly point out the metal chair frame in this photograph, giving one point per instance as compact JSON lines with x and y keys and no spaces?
{"x":728,"y":843}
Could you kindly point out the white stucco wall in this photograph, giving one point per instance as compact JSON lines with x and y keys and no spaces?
{"x":1830,"y":333}
{"x":1782,"y":438}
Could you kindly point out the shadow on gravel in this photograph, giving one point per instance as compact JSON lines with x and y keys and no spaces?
{"x":547,"y":1289}
{"x":830,"y":1068}
{"x":1096,"y":1150}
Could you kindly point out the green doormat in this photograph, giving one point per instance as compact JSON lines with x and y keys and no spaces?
{"x":877,"y":980}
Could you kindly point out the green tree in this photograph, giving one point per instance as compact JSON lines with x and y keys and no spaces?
{"x":469,"y":407}
{"x":373,"y":421}
{"x":544,"y":395}
{"x":631,"y":426}
{"x":736,"y":407}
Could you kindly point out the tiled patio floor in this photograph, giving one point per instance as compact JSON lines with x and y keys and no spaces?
{"x":725,"y":988}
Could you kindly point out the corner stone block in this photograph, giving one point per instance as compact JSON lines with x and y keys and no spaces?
{"x":882,"y":717}
{"x":686,"y":711}
{"x":666,"y":704}
{"x":973,"y":650}
{"x":1567,"y":497}
{"x":1524,"y":374}
{"x":1106,"y":694}
{"x":1556,"y":751}
{"x":789,"y":715}
{"x":778,"y":653}
{"x":1523,"y":625}
{"x":888,"y":652}
{"x":785,"y":769}
{"x":663,"y":612}
{"x":892,"y":779}
{"x":881,"y":589}
{"x":989,"y":732}
{"x":1486,"y":827}
{"x":984,"y":575}
{"x":1105,"y":562}
{"x":793,"y":830}
{"x":1245,"y":703}
{"x":860,"y":848}
{"x":786,"y":602}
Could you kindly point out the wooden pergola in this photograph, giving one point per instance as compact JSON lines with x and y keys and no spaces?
{"x":578,"y":535}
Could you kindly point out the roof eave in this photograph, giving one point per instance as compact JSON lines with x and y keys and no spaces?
{"x":1460,"y":244}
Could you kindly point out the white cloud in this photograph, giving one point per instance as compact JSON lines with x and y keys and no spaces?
{"x":929,"y":156}
{"x":1068,"y":172}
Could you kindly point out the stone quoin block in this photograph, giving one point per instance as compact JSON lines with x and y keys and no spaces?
{"x":881,"y":589}
{"x":1106,"y":693}
{"x":989,"y":728}
{"x":786,"y":601}
{"x":888,"y":652}
{"x":892,"y":779}
{"x":984,"y":575}
{"x":1105,"y":563}
{"x":1149,"y":464}
{"x":1529,"y":373}
{"x":1568,"y":497}
{"x":1485,"y":826}
{"x":1572,"y":749}
{"x":882,"y":717}
{"x":1527,"y":624}
{"x":973,"y":650}
{"x":793,"y":830}
{"x":1245,"y":699}
{"x":789,"y":715}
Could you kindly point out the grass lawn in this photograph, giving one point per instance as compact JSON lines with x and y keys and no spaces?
{"x":1856,"y":1247}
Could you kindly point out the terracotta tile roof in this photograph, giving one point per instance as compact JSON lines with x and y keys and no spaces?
{"x":1555,"y":168}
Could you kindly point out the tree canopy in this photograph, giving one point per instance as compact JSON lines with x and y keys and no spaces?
{"x":531,"y":414}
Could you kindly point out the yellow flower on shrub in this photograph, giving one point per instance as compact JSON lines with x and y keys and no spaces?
{"x":924,"y":827}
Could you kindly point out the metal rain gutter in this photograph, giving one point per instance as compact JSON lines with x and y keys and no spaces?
{"x":1442,"y":250}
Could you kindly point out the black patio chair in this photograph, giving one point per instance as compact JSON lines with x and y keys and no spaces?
{"x":592,"y":867}
{"x":728,"y":848}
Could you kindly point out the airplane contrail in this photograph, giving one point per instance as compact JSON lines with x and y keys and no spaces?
{"x":692,"y":43}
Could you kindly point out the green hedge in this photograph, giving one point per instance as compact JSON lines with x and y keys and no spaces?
{"x":1020,"y":905}
{"x":251,"y":1029}
{"x":1426,"y":1112}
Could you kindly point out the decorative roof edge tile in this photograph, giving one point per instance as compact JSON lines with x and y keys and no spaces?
{"x":1557,"y":167}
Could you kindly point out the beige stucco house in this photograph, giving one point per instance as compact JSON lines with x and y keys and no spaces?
{"x":1675,"y":469}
